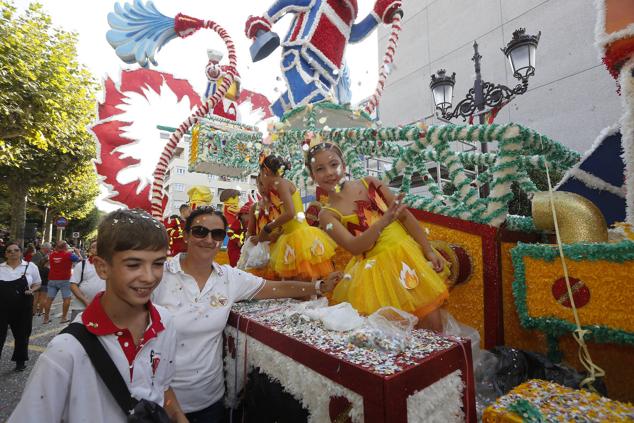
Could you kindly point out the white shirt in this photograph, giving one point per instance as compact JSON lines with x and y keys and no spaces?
{"x":7,"y":273}
{"x":91,"y":285}
{"x":64,"y":385}
{"x":200,"y":318}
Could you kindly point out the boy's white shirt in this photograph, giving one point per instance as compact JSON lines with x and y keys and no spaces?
{"x":64,"y":385}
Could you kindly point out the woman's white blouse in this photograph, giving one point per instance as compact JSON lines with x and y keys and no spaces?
{"x":7,"y":273}
{"x":200,"y":317}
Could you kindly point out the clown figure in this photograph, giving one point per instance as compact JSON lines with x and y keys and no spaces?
{"x":313,"y":50}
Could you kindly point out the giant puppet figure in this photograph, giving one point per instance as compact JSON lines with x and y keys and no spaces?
{"x":313,"y":50}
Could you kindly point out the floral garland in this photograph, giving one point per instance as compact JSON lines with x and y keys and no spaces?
{"x":304,"y":384}
{"x":520,"y":223}
{"x":520,"y":149}
{"x":439,"y":402}
{"x":555,"y":327}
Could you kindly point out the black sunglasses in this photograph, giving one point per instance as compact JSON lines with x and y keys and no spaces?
{"x":202,"y":232}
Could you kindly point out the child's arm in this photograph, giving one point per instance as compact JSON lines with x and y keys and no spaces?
{"x":287,"y":200}
{"x":411,"y":226}
{"x":252,"y":222}
{"x":361,"y":243}
{"x":173,"y":408}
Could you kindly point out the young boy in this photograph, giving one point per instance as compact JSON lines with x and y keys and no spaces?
{"x":139,"y":337}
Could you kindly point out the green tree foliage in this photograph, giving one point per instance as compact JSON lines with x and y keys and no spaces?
{"x":46,"y":104}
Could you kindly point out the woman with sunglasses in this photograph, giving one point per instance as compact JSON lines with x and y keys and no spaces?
{"x":200,"y":293}
{"x":19,"y":279}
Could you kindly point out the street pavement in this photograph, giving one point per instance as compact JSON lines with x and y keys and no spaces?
{"x":12,"y":383}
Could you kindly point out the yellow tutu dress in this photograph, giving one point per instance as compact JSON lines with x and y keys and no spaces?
{"x":394,"y":272}
{"x":302,"y":251}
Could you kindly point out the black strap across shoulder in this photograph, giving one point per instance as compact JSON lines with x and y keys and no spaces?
{"x":104,"y":366}
{"x":83,"y":266}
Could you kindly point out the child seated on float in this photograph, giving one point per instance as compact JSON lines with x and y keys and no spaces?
{"x":301,"y":252}
{"x":122,"y":323}
{"x":393,"y":263}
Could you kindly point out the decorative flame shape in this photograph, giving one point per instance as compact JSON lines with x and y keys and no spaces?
{"x":289,"y":255}
{"x":139,"y":31}
{"x":317,"y":249}
{"x":409,"y":278}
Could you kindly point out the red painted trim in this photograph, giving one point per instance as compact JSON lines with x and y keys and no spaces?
{"x":491,"y":272}
{"x":454,"y":223}
{"x":384,"y":397}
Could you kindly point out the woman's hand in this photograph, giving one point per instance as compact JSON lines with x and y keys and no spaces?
{"x":330,"y":282}
{"x":437,"y":262}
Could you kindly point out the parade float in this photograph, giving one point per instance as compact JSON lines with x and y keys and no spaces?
{"x":555,"y":283}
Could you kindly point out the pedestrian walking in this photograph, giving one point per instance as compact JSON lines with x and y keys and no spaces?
{"x":61,"y":262}
{"x":40,"y":259}
{"x":85,"y":283}
{"x":18,"y":280}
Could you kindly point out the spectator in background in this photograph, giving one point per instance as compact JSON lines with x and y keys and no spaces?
{"x":61,"y":262}
{"x":175,"y":226}
{"x":18,"y":280}
{"x":40,"y":259}
{"x":85,"y":283}
{"x":237,"y":232}
{"x":28,"y":253}
{"x":184,"y":211}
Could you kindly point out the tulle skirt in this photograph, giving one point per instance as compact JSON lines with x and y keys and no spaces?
{"x":393,"y":273}
{"x":305,"y":253}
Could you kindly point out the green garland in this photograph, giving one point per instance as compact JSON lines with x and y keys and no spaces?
{"x":554,"y":327}
{"x":520,"y":223}
{"x":520,"y":149}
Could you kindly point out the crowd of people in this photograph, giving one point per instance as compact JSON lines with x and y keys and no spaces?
{"x":159,"y":320}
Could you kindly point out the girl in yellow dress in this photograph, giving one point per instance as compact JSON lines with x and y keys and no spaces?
{"x":302,"y":251}
{"x":390,"y":265}
{"x":260,"y":214}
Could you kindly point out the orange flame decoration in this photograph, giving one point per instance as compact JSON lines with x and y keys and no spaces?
{"x":369,"y":212}
{"x":409,"y":278}
{"x":317,"y":249}
{"x":289,"y":255}
{"x":275,"y":209}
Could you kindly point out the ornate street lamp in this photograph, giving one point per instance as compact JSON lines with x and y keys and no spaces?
{"x":485,"y":95}
{"x":442,"y":89}
{"x":521,"y":53}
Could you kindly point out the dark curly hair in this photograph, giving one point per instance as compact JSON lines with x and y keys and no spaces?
{"x":275,"y":163}
{"x":201,"y":211}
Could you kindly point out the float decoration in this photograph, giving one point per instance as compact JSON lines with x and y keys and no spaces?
{"x":539,"y":401}
{"x":520,"y":149}
{"x":138,"y":31}
{"x":110,"y":130}
{"x":601,"y":270}
{"x":313,"y":51}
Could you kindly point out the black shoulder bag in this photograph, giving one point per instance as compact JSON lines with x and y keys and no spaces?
{"x":142,"y":411}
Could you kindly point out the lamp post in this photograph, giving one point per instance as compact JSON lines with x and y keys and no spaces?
{"x":521,"y":54}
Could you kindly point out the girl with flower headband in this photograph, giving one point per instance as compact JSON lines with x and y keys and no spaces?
{"x":390,"y":265}
{"x":302,"y":251}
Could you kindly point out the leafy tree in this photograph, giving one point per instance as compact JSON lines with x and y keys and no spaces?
{"x":46,"y":103}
